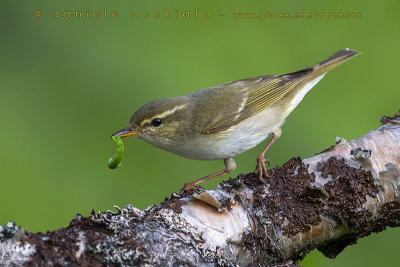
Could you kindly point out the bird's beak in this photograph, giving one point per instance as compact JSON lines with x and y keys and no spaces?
{"x":128,"y":131}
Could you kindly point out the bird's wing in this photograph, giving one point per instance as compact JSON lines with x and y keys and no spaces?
{"x":235,"y":101}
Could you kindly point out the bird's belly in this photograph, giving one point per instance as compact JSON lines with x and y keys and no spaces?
{"x":238,"y":139}
{"x":250,"y":132}
{"x":208,"y":149}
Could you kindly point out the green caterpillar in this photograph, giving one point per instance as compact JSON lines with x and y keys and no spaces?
{"x":115,"y":161}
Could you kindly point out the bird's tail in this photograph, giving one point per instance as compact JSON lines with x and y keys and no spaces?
{"x":333,"y":61}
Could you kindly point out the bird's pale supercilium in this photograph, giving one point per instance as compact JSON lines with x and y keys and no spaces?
{"x":223,"y":121}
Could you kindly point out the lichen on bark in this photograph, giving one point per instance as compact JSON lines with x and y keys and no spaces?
{"x":326,"y":202}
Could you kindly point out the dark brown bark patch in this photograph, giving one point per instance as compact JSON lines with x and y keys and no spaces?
{"x":60,"y":246}
{"x":173,"y":203}
{"x":284,"y":200}
{"x":347,"y":190}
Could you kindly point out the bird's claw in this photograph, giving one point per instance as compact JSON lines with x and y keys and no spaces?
{"x":261,"y":170}
{"x":189,"y":187}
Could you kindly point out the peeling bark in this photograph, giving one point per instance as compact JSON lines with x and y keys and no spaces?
{"x":326,"y":202}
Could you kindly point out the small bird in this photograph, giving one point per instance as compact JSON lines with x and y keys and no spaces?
{"x":223,"y":121}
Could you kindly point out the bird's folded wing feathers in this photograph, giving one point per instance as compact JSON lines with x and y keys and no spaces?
{"x":233,"y":102}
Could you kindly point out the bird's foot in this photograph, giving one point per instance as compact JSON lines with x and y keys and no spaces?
{"x":189,"y":187}
{"x":261,"y":170}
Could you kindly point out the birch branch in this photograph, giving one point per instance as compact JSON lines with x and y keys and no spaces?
{"x":326,"y":202}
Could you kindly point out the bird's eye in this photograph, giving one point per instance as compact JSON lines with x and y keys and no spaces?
{"x":156,"y":122}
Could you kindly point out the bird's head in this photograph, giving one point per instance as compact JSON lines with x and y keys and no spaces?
{"x":158,"y":121}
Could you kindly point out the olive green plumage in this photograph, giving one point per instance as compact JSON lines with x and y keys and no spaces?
{"x":225,"y":120}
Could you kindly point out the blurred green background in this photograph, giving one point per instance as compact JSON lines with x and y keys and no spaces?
{"x":67,"y":84}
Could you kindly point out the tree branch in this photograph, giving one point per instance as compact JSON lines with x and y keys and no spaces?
{"x":326,"y":202}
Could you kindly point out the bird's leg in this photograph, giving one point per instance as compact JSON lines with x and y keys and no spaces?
{"x":261,"y":160}
{"x":230,"y":166}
